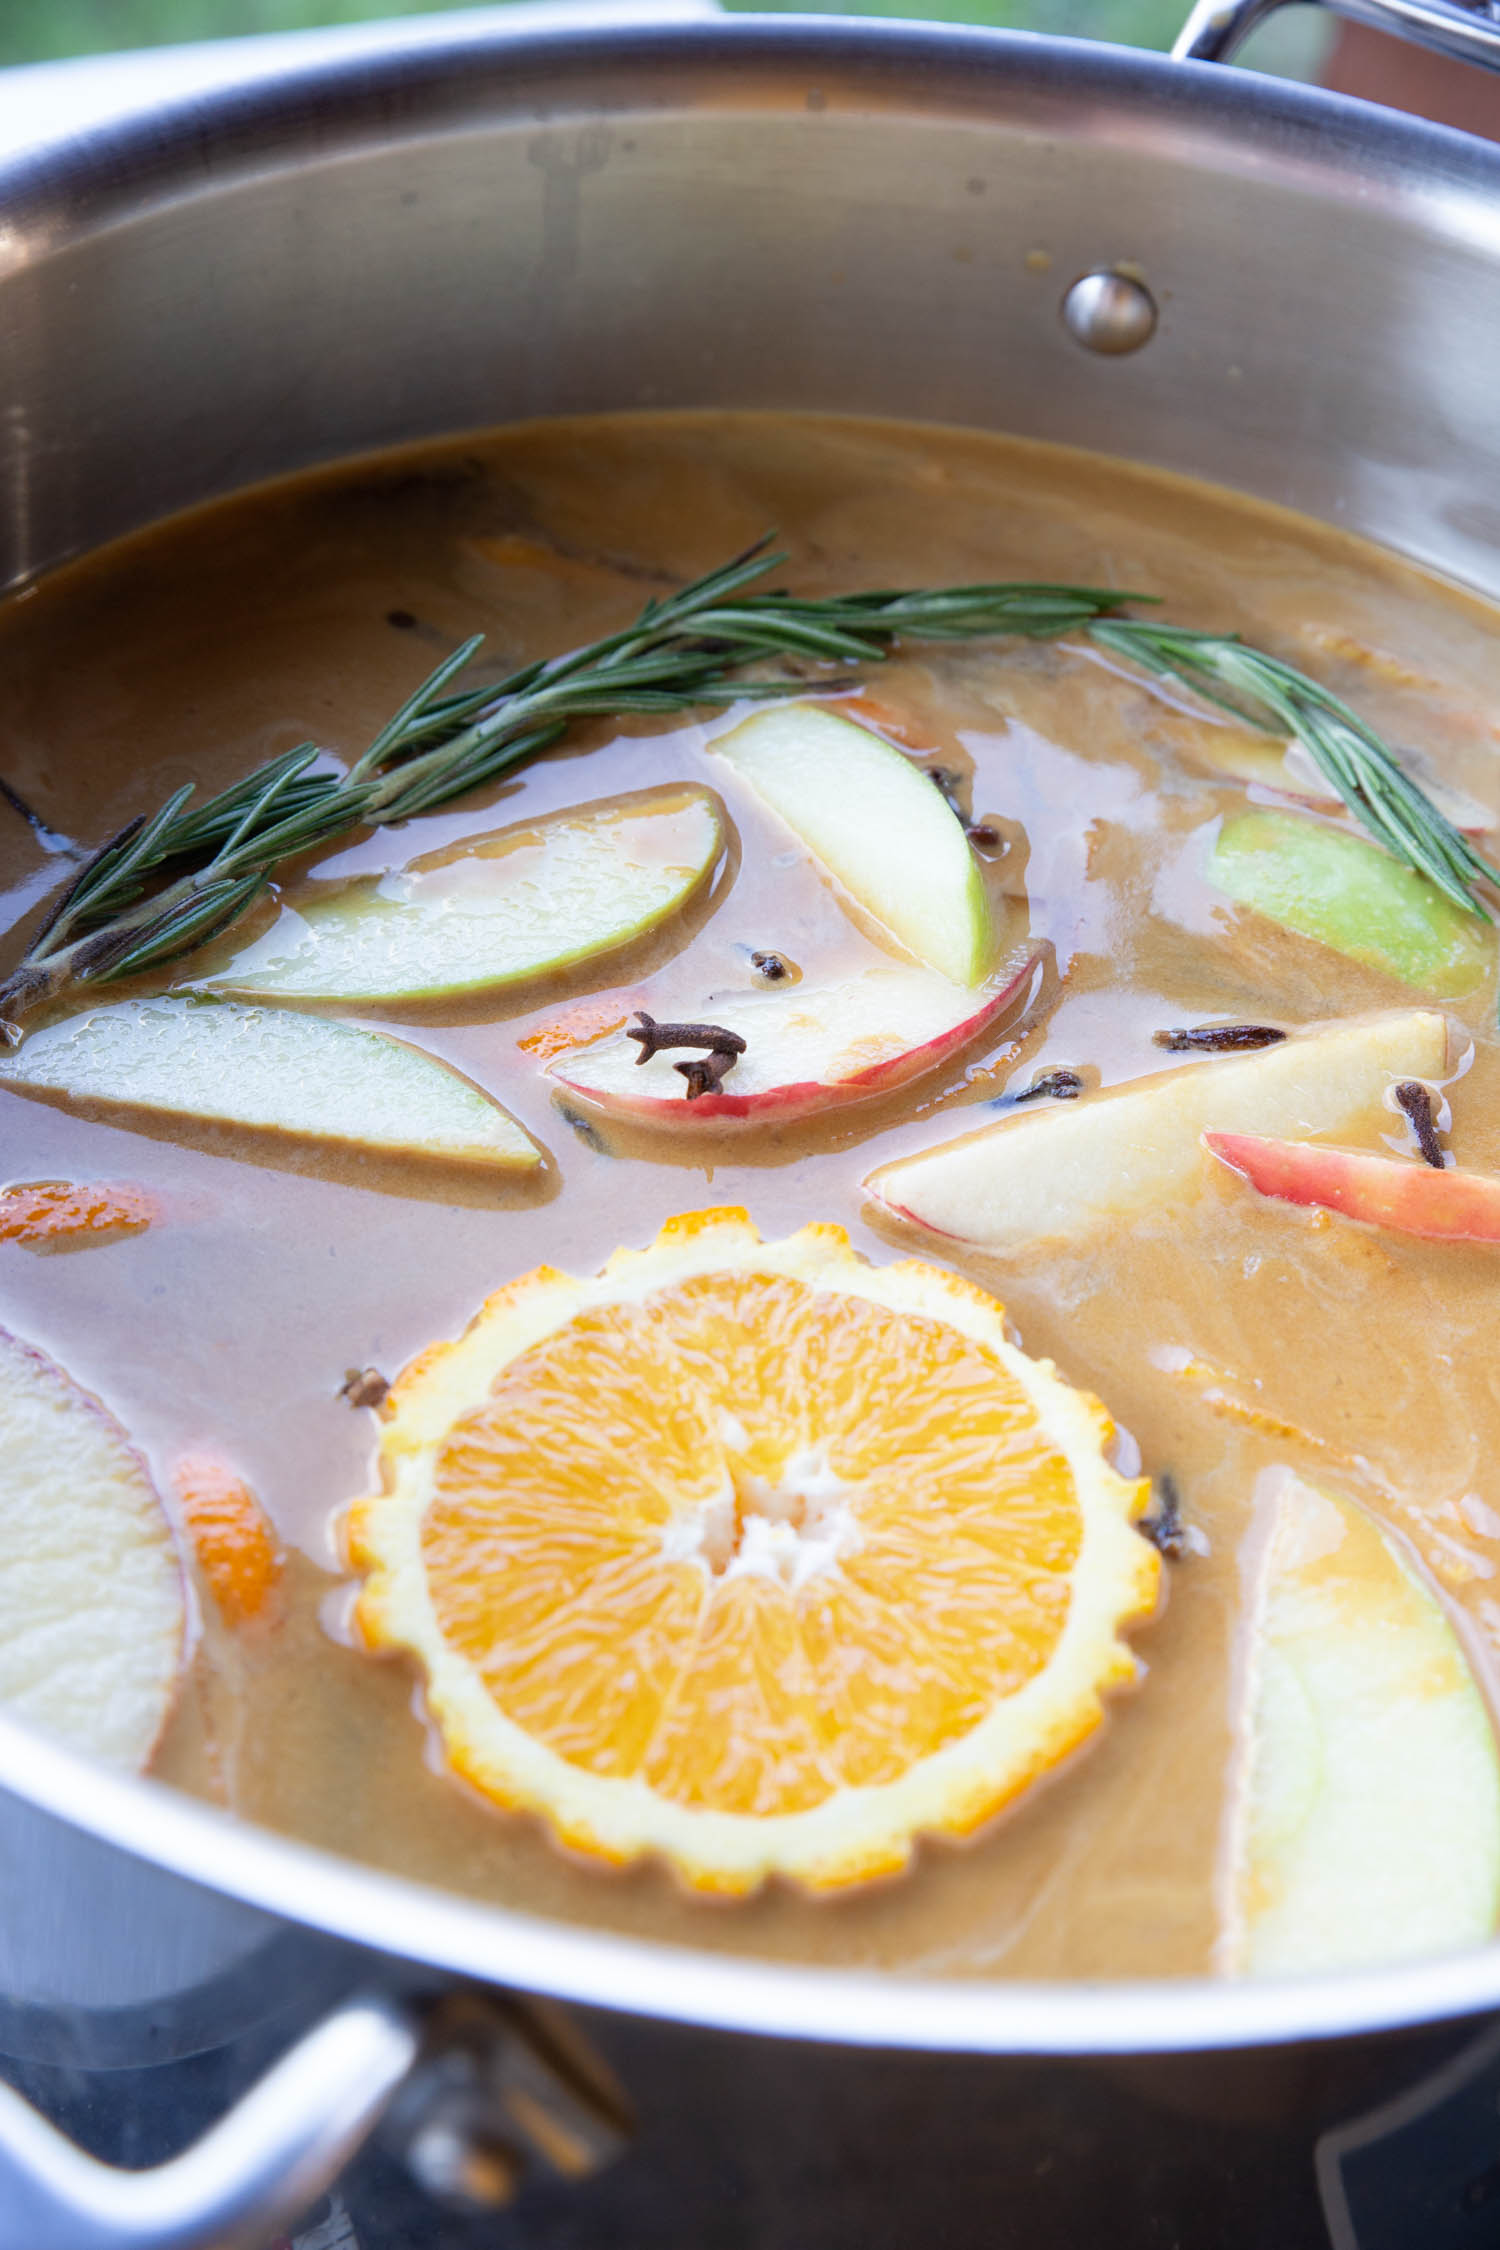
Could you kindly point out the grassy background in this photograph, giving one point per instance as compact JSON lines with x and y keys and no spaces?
{"x":49,"y":30}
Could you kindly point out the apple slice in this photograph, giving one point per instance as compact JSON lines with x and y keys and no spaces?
{"x":1053,"y":1172}
{"x":806,"y":1048}
{"x":1388,"y":1191}
{"x":1366,"y":1824}
{"x":275,"y":1071}
{"x":494,"y":910}
{"x":93,"y":1616}
{"x":875,"y":822}
{"x":1328,"y":885}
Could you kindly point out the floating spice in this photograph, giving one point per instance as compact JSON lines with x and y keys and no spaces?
{"x":364,"y":1386}
{"x":587,"y":1131}
{"x":771,"y":966}
{"x":983,"y":833}
{"x":1218,"y":1038}
{"x":1053,"y":1085}
{"x":949,"y":786}
{"x":1416,"y":1100}
{"x":1164,"y":1526}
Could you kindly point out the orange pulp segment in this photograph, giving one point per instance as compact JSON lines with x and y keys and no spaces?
{"x":232,"y":1537}
{"x":46,"y":1212}
{"x":571,"y":1029}
{"x":751,"y":1554}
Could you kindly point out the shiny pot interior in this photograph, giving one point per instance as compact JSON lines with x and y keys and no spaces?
{"x":863,"y":218}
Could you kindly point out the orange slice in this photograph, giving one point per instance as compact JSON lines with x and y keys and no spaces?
{"x":750,"y":1554}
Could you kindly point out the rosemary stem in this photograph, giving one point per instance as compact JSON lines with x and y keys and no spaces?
{"x":174,"y":880}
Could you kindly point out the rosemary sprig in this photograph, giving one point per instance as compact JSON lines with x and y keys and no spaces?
{"x":171,"y":881}
{"x":1350,"y":754}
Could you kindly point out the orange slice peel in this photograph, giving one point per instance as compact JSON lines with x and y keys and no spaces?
{"x":751,"y":1555}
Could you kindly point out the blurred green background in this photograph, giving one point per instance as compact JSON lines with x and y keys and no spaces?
{"x":49,"y":30}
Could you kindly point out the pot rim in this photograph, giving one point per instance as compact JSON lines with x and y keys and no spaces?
{"x":444,"y":1930}
{"x":407,"y":87}
{"x":416,"y":83}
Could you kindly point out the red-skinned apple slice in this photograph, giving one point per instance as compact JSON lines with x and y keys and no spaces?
{"x":806,"y":1048}
{"x":1135,"y":1147}
{"x":1387,"y":1191}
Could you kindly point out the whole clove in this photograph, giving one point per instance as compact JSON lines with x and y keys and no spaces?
{"x":705,"y":1073}
{"x":652,"y":1036}
{"x":949,"y":786}
{"x":364,"y":1386}
{"x":1416,"y":1100}
{"x":1218,"y":1038}
{"x":1052,"y":1085}
{"x":1163,"y":1524}
{"x":771,"y":966}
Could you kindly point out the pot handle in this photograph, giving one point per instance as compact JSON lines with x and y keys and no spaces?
{"x":254,"y":2172}
{"x":1217,"y":28}
{"x":482,"y":2089}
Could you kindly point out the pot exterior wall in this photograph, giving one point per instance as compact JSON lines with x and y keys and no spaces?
{"x":874,"y":219}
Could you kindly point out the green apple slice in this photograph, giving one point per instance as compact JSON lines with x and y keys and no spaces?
{"x":1055,"y":1171}
{"x":876,"y":823}
{"x":274,"y":1070}
{"x":493,"y":911}
{"x":1324,"y":883}
{"x":1366,"y":1825}
{"x":93,"y":1615}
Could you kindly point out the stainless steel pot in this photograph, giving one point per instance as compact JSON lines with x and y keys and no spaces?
{"x":1232,"y":277}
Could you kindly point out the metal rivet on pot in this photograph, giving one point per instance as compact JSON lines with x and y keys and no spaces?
{"x":1110,"y":313}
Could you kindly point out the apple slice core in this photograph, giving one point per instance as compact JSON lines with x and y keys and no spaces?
{"x":92,"y":1609}
{"x":275,"y":1071}
{"x":875,"y":821}
{"x":808,"y":1047}
{"x":493,"y":911}
{"x":1366,"y":1826}
{"x":1055,"y":1172}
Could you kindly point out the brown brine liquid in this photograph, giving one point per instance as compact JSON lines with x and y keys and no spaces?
{"x":1227,"y":1334}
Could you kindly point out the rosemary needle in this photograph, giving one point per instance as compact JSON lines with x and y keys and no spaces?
{"x":1350,"y":754}
{"x":172,"y":881}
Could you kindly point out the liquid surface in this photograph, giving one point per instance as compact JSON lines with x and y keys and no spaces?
{"x":1228,"y":1334}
